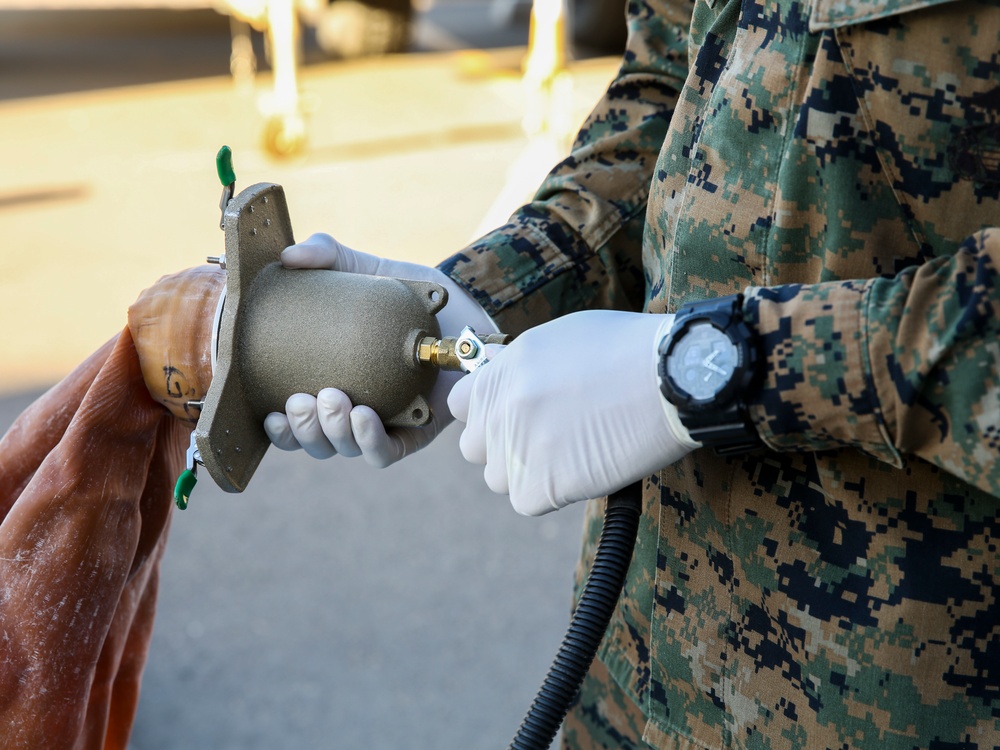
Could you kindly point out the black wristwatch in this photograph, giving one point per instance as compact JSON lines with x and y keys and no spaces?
{"x":709,"y":365}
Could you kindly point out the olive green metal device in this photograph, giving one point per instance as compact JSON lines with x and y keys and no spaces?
{"x":283,"y":331}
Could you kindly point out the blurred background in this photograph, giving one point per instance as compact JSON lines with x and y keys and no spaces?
{"x":329,"y":605}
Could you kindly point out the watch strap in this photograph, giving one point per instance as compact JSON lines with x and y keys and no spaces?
{"x":728,"y":432}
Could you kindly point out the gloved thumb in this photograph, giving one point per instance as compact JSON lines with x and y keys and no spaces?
{"x":460,"y":395}
{"x":323,"y":251}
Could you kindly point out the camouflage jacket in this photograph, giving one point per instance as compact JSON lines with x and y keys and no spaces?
{"x":840,"y":163}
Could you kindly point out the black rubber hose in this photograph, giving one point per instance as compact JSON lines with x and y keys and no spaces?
{"x":588,"y":624}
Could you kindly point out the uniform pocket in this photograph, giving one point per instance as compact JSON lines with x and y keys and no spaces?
{"x":832,"y":14}
{"x":928,"y":84}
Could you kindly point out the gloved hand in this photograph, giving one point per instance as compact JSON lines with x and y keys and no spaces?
{"x":571,"y":410}
{"x":328,"y":423}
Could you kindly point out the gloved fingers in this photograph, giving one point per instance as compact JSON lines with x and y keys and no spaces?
{"x":460,"y":396}
{"x":279,"y":432}
{"x":334,"y":410}
{"x":462,"y":401}
{"x":472,"y":443}
{"x":532,"y":491}
{"x":495,"y":473}
{"x":323,"y":251}
{"x":305,"y":426}
{"x":379,"y":447}
{"x":527,"y":505}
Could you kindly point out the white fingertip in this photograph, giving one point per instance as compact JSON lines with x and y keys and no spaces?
{"x":279,"y":433}
{"x":377,"y":446}
{"x":496,"y":477}
{"x":334,"y":409}
{"x":459,"y":397}
{"x":305,"y":426}
{"x":531,"y":506}
{"x":315,"y":252}
{"x":472,"y":443}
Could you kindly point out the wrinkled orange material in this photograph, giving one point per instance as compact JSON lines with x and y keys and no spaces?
{"x":171,"y":324}
{"x":86,"y":485}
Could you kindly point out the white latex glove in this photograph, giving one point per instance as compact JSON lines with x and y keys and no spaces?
{"x":571,"y":410}
{"x":328,"y":423}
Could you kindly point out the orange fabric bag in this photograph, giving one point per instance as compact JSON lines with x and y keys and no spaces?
{"x":86,"y":487}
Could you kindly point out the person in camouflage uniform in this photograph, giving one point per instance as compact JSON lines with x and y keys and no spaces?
{"x":839,"y":164}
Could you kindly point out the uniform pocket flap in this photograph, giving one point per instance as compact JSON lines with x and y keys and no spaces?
{"x":832,"y":14}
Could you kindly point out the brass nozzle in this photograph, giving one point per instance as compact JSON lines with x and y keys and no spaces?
{"x":444,"y":353}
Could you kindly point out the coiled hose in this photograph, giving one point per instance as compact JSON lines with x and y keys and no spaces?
{"x":588,"y":624}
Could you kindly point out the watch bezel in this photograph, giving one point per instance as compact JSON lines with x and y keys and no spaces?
{"x":741,"y":337}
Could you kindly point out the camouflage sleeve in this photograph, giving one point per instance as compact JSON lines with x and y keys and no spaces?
{"x":893,"y":366}
{"x":577,"y":245}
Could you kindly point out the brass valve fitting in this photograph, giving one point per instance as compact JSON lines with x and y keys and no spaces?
{"x":455,"y":352}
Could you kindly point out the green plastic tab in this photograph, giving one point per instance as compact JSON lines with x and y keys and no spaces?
{"x":182,"y":490}
{"x":224,"y":166}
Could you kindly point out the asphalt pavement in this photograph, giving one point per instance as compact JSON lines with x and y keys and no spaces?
{"x":330,"y":605}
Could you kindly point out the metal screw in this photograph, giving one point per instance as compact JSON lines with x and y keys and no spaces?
{"x":467,"y":349}
{"x":219,"y":260}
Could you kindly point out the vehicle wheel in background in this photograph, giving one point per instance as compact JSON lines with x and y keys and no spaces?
{"x":358,"y":28}
{"x":284,"y":135}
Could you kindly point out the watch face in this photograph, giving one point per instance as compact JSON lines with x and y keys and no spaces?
{"x":703,"y":361}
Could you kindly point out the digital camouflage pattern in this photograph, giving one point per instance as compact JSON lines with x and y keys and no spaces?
{"x":839,"y":162}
